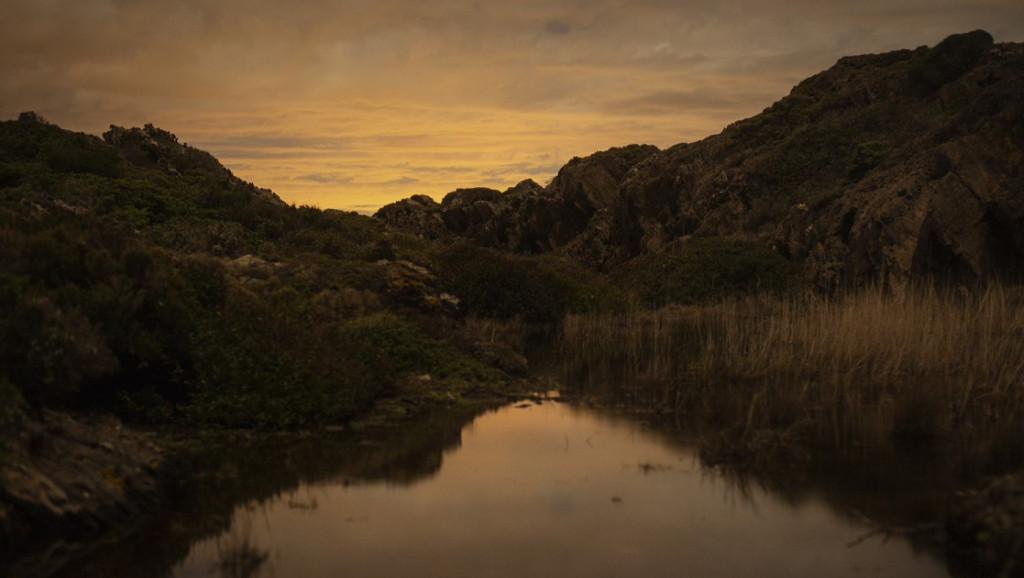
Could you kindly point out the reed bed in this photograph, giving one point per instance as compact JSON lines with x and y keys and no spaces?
{"x":868,"y":365}
{"x":511,"y":332}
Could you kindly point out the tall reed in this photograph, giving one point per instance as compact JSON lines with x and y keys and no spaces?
{"x":914,"y":362}
{"x":871,"y":364}
{"x":638,"y":358}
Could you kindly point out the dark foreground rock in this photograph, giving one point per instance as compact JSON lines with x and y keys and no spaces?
{"x":67,"y":482}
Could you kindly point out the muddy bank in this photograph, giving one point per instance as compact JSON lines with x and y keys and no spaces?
{"x":67,"y":483}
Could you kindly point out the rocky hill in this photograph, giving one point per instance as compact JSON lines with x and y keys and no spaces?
{"x":144,"y":284}
{"x":884,"y":167}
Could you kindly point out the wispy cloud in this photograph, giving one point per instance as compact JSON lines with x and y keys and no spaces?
{"x":346,"y":103}
{"x":326,"y":178}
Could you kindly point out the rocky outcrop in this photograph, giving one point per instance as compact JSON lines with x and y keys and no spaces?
{"x":151,"y":147}
{"x":407,"y":283}
{"x":418,"y":214}
{"x":885,"y":167}
{"x":527,"y":217}
{"x":67,"y":481}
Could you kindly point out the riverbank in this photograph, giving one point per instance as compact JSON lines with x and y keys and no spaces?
{"x":68,"y":482}
{"x":72,"y":483}
{"x":93,"y":482}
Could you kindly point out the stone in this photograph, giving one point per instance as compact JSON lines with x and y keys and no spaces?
{"x":71,"y":478}
{"x":858,"y":174}
{"x":411,"y":284}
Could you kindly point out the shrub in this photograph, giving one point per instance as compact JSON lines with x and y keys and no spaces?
{"x":247,"y":376}
{"x":707,"y":269}
{"x":400,"y":347}
{"x":84,"y":155}
{"x":50,"y":352}
{"x":586,"y":291}
{"x":304,"y":373}
{"x":493,"y":284}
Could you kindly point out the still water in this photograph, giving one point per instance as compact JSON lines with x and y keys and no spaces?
{"x":549,"y":489}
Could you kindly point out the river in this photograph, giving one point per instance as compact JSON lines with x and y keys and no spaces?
{"x":533,"y":489}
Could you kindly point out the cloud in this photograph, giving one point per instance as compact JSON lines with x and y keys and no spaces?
{"x":366,"y":100}
{"x":326,"y":178}
{"x":402,"y":181}
{"x":557,"y":27}
{"x":673,"y":101}
{"x":664,"y":50}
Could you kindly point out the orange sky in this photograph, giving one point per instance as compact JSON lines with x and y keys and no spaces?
{"x":352,"y":105}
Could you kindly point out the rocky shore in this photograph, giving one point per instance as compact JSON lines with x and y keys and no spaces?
{"x":67,"y":483}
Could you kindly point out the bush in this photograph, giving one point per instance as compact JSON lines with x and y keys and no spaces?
{"x":87,"y":155}
{"x":708,"y":269}
{"x":586,"y":290}
{"x":49,"y":352}
{"x":300,"y":375}
{"x":499,"y":285}
{"x":401,"y":348}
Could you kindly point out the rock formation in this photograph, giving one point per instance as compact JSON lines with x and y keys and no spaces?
{"x":74,"y":478}
{"x":885,"y":167}
{"x":152,"y":147}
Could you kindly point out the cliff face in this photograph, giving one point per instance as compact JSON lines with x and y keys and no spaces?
{"x":884,"y":167}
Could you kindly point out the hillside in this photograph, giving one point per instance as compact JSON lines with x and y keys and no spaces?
{"x":885,"y":167}
{"x":143,"y":283}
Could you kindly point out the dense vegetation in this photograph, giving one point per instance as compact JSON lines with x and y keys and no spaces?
{"x":709,"y":269}
{"x":141,"y":277}
{"x":146,"y":279}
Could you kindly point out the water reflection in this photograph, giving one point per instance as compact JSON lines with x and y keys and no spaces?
{"x":235,"y":483}
{"x":550,"y":490}
{"x":238,"y":554}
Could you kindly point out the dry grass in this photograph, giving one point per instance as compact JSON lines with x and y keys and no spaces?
{"x":874,"y":364}
{"x":511,"y":332}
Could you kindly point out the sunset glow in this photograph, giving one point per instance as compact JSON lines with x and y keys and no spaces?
{"x":354,"y":105}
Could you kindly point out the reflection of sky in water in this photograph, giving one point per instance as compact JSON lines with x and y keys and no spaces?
{"x":553,"y":491}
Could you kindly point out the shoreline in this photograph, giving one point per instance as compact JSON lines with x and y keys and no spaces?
{"x":72,"y":484}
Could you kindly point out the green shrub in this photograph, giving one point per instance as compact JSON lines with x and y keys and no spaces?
{"x":499,"y":285}
{"x":586,"y":290}
{"x":403,"y":348}
{"x":867,"y":156}
{"x":84,"y":155}
{"x":63,"y":255}
{"x":301,"y":374}
{"x":707,"y":269}
{"x":260,"y":367}
{"x":49,"y":352}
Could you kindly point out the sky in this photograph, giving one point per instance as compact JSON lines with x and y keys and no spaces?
{"x":355,"y":104}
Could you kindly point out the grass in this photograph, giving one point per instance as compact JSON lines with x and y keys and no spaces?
{"x":846,"y":371}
